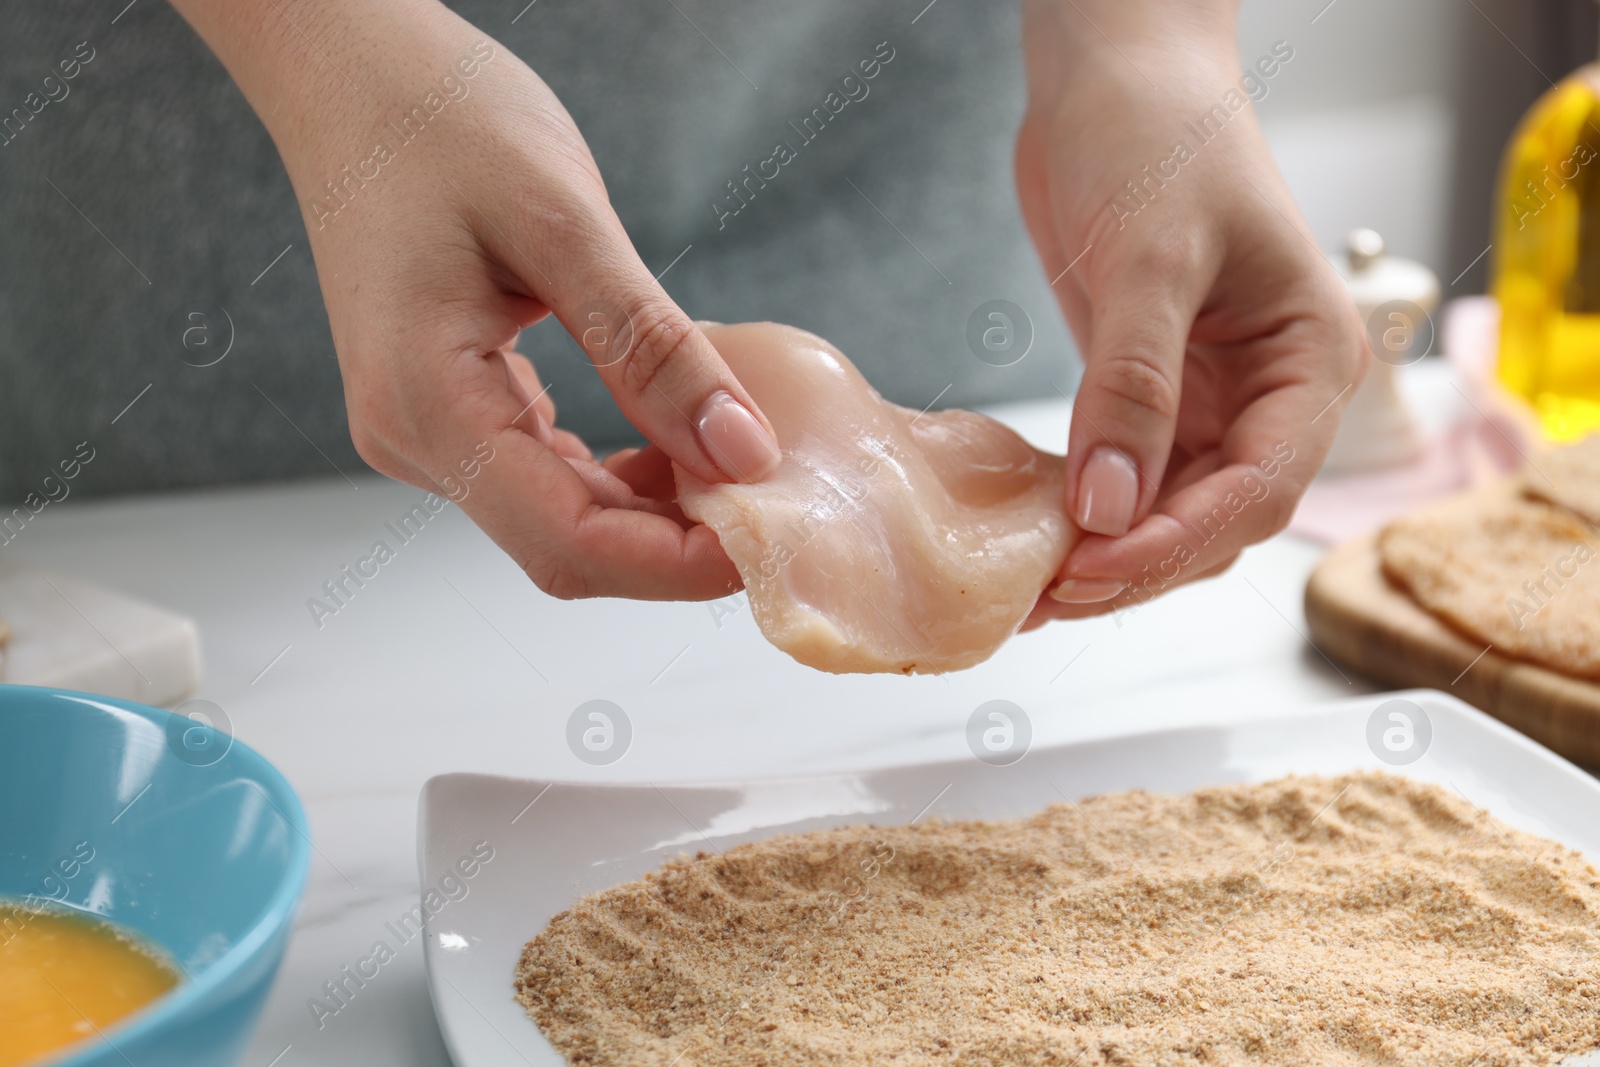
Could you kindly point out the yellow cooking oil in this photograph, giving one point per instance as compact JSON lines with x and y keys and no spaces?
{"x":1547,"y":258}
{"x":65,"y":976}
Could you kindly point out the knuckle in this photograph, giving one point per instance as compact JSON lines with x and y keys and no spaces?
{"x":1359,"y":356}
{"x":1134,"y":377}
{"x":1280,"y":512}
{"x":369,"y":448}
{"x":1169,"y":257}
{"x":562,"y":218}
{"x":661,"y":341}
{"x":371,"y":433}
{"x":1344,"y":337}
{"x":558,"y":577}
{"x":1224,"y":567}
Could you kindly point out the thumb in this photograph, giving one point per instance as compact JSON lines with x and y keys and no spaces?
{"x":1126,"y":411}
{"x":665,"y":375}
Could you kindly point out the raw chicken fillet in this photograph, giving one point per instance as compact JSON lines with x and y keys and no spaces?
{"x":887,"y":540}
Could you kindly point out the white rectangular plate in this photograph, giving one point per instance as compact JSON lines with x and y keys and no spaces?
{"x":555,"y":842}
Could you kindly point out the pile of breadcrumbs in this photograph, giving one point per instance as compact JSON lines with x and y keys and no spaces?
{"x":1367,"y":919}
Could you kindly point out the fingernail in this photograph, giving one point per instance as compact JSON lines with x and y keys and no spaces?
{"x":1108,"y":491}
{"x":739,"y":445}
{"x":1087,"y":590}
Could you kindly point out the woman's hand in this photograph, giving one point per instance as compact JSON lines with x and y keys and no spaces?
{"x":450,"y":202}
{"x":1219,"y":345}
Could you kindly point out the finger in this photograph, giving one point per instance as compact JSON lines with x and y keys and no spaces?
{"x":575,"y":533}
{"x":569,"y":445}
{"x":612,"y":492}
{"x":621,"y":456}
{"x":1048,"y":608}
{"x":527,"y":377}
{"x":536,"y":412}
{"x":1267,"y":460}
{"x":452,"y":482}
{"x":665,"y":375}
{"x":547,"y":516}
{"x":1216,"y":570}
{"x":1183,"y":470}
{"x":647,"y":471}
{"x":521,"y":384}
{"x":1209,"y":522}
{"x":1125,"y":414}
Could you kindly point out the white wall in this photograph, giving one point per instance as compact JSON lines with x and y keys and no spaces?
{"x":1361,"y":120}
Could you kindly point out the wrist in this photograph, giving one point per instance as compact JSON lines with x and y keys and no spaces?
{"x":1156,"y":47}
{"x":302,"y":64}
{"x":1132,"y":21}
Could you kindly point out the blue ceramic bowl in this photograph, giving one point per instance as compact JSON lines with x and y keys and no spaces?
{"x":168,"y":828}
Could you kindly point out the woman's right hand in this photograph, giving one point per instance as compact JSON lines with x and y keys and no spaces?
{"x":437,"y":241}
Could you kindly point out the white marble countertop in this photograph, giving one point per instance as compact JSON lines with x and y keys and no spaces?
{"x":449,"y":660}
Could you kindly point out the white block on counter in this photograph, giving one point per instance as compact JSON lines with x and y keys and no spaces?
{"x":73,"y":635}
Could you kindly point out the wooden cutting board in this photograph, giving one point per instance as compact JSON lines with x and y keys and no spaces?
{"x":1358,"y":618}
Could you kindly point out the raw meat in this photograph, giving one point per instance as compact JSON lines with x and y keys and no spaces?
{"x":887,"y":540}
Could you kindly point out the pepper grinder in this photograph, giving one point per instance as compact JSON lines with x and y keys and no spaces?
{"x":1396,"y":298}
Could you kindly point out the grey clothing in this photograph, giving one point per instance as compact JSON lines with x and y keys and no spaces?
{"x":148,"y":221}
